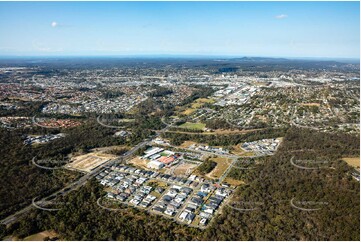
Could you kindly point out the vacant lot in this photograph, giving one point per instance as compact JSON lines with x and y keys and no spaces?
{"x":352,"y":161}
{"x":142,"y":163}
{"x":222,"y":165}
{"x":237,"y":150}
{"x":89,"y":161}
{"x":233,"y":182}
{"x":184,"y":169}
{"x":187,"y":143}
{"x":196,"y":126}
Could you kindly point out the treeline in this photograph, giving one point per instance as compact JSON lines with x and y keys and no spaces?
{"x":225,"y":139}
{"x":26,"y":109}
{"x":200,"y":92}
{"x":206,"y":167}
{"x":149,"y":122}
{"x":181,"y":129}
{"x":244,"y":166}
{"x":218,"y":124}
{"x":160,"y":92}
{"x":332,"y":145}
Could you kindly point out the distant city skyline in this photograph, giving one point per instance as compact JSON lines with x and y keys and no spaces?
{"x":267,"y":29}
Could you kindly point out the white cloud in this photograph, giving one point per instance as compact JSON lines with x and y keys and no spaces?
{"x":281,"y":16}
{"x":54,"y":24}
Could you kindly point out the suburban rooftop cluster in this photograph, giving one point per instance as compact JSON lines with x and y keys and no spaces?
{"x":193,"y":201}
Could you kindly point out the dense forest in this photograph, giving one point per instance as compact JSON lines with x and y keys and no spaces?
{"x":269,"y":187}
{"x":274,"y":182}
{"x":21,"y":181}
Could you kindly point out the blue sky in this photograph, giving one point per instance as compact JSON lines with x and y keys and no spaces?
{"x":275,"y":29}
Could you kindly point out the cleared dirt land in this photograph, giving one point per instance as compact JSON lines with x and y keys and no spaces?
{"x":353,"y":161}
{"x":184,"y":169}
{"x":142,"y":163}
{"x":89,"y":161}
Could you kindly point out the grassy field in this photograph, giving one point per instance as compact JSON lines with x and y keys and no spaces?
{"x":233,"y":182}
{"x":196,"y":126}
{"x":236,"y":149}
{"x":352,"y":161}
{"x":204,"y":100}
{"x":187,"y":143}
{"x":189,"y":111}
{"x":195,"y":105}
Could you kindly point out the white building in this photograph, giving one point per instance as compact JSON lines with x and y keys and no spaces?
{"x":154,"y":164}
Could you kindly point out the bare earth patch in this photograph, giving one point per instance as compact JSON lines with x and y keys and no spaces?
{"x":142,"y":163}
{"x":89,"y":161}
{"x":184,"y":169}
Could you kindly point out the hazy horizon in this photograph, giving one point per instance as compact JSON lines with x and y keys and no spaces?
{"x":268,"y":29}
